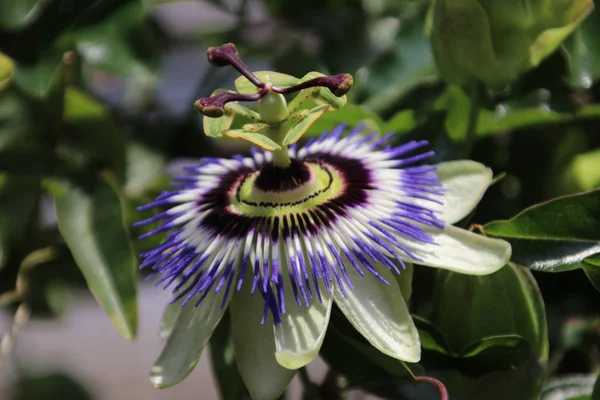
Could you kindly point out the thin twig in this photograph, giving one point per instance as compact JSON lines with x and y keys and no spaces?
{"x":19,"y":294}
{"x":435,"y":382}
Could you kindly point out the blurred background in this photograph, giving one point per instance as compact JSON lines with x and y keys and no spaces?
{"x":99,"y":95}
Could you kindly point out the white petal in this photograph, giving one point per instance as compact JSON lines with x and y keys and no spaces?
{"x":254,"y":347}
{"x":465,"y":183}
{"x":460,"y":251}
{"x":405,"y":279}
{"x":380,"y":314}
{"x":301,"y":332}
{"x":183,"y":348}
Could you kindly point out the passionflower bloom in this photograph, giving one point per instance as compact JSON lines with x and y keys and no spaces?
{"x":280,"y":239}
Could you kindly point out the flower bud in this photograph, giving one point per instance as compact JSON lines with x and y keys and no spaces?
{"x":221,"y":56}
{"x":496,"y":41}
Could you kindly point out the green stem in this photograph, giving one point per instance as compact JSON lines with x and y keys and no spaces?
{"x":473,"y":118}
{"x":281,"y":158}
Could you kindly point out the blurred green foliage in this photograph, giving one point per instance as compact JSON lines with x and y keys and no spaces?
{"x":96,"y":102}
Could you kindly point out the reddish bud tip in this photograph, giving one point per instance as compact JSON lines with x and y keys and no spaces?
{"x":222,"y":56}
{"x":209,"y":108}
{"x":340,"y":84}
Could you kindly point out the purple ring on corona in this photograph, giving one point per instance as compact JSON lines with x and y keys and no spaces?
{"x":350,"y":201}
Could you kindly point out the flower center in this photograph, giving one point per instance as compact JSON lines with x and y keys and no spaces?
{"x":277,"y":191}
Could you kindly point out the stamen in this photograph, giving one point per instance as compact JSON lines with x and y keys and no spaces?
{"x":227,"y":55}
{"x":338,"y":84}
{"x":214,"y":106}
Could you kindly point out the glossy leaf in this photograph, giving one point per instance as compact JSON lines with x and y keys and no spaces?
{"x":231,"y":385}
{"x":92,"y":132}
{"x":350,"y":115}
{"x":300,"y":127}
{"x":409,"y":63}
{"x":533,"y":109}
{"x":570,"y":387}
{"x":554,"y":236}
{"x":258,"y":139}
{"x":56,"y":18}
{"x":583,"y":49}
{"x":91,"y":221}
{"x":102,"y":44}
{"x":348,"y":353}
{"x":19,"y":196}
{"x":495,"y":43}
{"x":506,"y":303}
{"x":15,"y":14}
{"x":16,"y":120}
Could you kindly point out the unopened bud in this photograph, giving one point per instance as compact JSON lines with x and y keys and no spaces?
{"x":222,"y":56}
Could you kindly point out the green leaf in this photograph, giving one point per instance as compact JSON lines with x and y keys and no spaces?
{"x":402,"y":122}
{"x":144,"y":167}
{"x":40,"y":79}
{"x":518,"y":382}
{"x":91,"y":221}
{"x":496,"y":42}
{"x":570,"y":387}
{"x":583,"y":49}
{"x":533,"y":109}
{"x":296,"y":131}
{"x":583,"y":172}
{"x":15,"y":14}
{"x":19,"y":196}
{"x":6,"y":70}
{"x":16,"y":121}
{"x":554,"y":236}
{"x":591,"y":267}
{"x":507,"y":304}
{"x":56,"y":18}
{"x":244,"y":86}
{"x":410,"y":63}
{"x":231,"y":385}
{"x":258,"y":139}
{"x":92,"y":132}
{"x":351,"y":115}
{"x":348,"y":353}
{"x":116,"y":43}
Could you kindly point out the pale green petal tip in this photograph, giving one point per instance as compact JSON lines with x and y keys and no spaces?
{"x":290,"y":360}
{"x":466,"y":182}
{"x":158,"y":377}
{"x":402,"y":352}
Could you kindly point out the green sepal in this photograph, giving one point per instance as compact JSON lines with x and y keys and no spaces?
{"x":214,"y":127}
{"x":244,"y":86}
{"x":322,"y":95}
{"x":300,"y":127}
{"x":257,"y":138}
